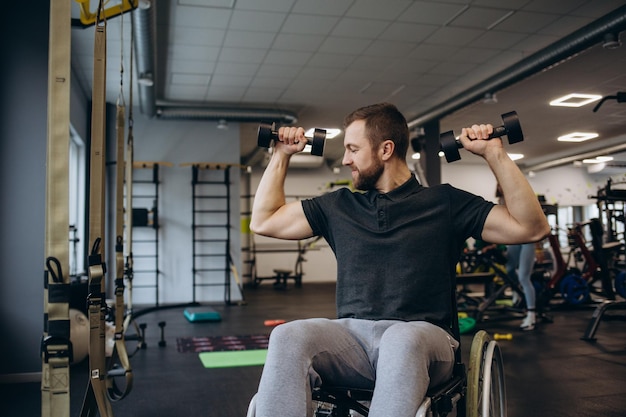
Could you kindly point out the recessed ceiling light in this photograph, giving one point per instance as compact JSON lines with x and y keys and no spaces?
{"x":513,"y":156}
{"x":598,"y":160}
{"x":416,"y":155}
{"x":575,"y":100}
{"x":330,"y":133}
{"x":577,"y":137}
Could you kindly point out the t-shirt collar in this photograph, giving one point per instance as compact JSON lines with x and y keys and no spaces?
{"x":409,"y":187}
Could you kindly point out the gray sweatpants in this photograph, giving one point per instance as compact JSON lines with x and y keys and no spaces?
{"x":402,"y":358}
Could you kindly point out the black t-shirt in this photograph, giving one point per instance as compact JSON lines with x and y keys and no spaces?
{"x":396,"y":252}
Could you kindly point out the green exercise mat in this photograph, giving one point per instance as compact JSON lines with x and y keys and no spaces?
{"x":466,"y":324}
{"x":197,"y":314}
{"x":230,"y":359}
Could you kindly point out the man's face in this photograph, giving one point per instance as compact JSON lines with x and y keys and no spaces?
{"x":364,"y":162}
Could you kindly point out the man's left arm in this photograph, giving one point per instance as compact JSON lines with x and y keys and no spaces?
{"x":521,"y":218}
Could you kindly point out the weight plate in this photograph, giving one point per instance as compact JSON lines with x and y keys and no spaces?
{"x":513,"y":127}
{"x":317,"y":144}
{"x":574,"y":289}
{"x":264,"y":135}
{"x":449,"y":146}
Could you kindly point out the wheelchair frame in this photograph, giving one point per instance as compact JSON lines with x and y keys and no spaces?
{"x":479,"y":392}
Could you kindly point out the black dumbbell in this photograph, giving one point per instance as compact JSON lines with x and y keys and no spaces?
{"x":266,"y":135}
{"x":162,"y":342}
{"x":511,"y":129}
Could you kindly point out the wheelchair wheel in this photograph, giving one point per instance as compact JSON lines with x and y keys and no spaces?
{"x":486,"y":394}
{"x":252,"y":407}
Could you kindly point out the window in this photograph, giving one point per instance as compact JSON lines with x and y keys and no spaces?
{"x":77,"y":191}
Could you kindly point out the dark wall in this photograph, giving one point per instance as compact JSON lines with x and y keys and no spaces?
{"x":23,"y":124}
{"x":23,"y":103}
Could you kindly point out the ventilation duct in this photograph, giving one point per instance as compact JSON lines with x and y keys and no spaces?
{"x":567,"y":47}
{"x":242,"y":115}
{"x":145,"y":39}
{"x":607,"y":168}
{"x":143,"y":31}
{"x":573,"y":158}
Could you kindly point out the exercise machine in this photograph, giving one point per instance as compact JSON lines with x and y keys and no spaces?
{"x":610,"y":202}
{"x":281,"y":276}
{"x":573,"y":278}
{"x":486,"y":267}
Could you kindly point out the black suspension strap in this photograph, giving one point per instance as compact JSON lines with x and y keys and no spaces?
{"x":119,"y":365}
{"x":128,"y":219}
{"x":96,"y":302}
{"x":56,"y":347}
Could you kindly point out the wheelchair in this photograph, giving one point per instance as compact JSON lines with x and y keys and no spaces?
{"x":478,"y":391}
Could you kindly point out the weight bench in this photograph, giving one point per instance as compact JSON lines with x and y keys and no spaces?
{"x":280,"y":278}
{"x":473,"y":303}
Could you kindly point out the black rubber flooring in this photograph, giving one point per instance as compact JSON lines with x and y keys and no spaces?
{"x":549,"y":371}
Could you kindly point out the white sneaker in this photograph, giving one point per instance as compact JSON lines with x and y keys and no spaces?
{"x":515,"y":299}
{"x":529,"y":322}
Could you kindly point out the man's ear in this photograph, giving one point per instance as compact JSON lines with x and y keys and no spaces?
{"x":387,"y":148}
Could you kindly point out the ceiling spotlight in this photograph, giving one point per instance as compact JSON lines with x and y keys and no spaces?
{"x":610,"y":40}
{"x":575,"y":100}
{"x":490,"y":98}
{"x":146,"y":79}
{"x":145,"y":4}
{"x":222,"y":124}
{"x":577,"y":137}
{"x":598,"y":160}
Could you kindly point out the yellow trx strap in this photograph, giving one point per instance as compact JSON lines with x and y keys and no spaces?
{"x":128,"y":218}
{"x":56,"y":348}
{"x":120,"y":353}
{"x":96,"y":301}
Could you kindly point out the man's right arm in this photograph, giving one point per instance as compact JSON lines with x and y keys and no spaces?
{"x":271,"y":214}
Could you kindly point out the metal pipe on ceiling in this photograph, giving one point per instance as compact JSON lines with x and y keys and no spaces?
{"x":573,"y":158}
{"x":554,"y":54}
{"x":251,"y":115}
{"x":143,"y":32}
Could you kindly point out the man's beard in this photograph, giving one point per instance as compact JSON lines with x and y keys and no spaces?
{"x":366,"y":180}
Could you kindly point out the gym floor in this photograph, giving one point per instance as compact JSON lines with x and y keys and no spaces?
{"x":549,"y":371}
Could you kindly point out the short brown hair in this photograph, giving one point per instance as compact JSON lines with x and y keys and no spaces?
{"x":383,"y":121}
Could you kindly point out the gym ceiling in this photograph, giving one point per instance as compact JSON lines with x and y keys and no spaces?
{"x":315,"y":60}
